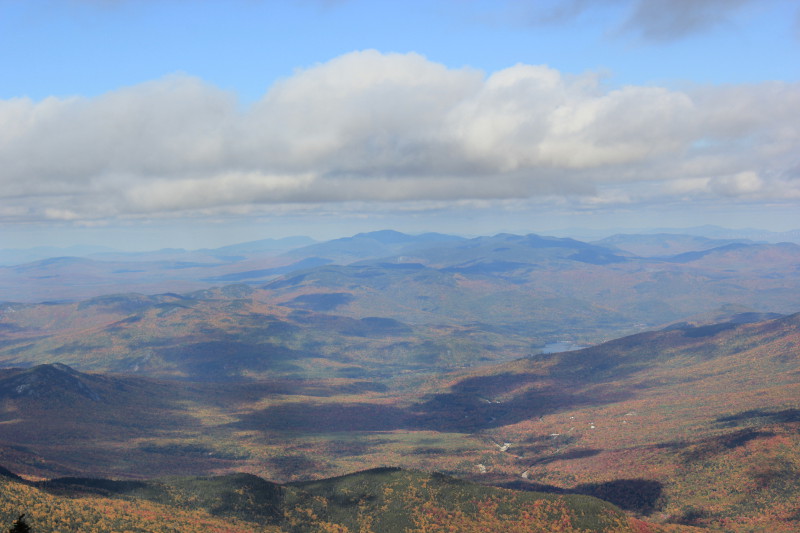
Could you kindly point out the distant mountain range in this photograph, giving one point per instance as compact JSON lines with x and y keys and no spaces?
{"x":16,"y":256}
{"x":438,"y":302}
{"x":707,"y":231}
{"x":666,"y":244}
{"x":665,"y":263}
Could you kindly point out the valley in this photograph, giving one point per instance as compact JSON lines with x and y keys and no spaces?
{"x":431,"y":354}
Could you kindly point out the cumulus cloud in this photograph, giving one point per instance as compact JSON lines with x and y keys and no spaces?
{"x":376,"y":127}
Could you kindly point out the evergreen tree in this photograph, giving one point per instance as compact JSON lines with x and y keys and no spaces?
{"x":20,"y":525}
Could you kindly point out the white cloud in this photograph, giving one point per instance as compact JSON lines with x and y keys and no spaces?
{"x":376,"y":127}
{"x":225,"y":189}
{"x":61,"y":214}
{"x":742,"y":184}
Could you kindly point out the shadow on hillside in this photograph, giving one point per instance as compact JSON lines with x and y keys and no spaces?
{"x":289,"y":466}
{"x":469,"y":407}
{"x":761,"y":416}
{"x":327,"y":418}
{"x":94,"y":486}
{"x":566,"y":456}
{"x":226,"y":360}
{"x":597,"y":365}
{"x":638,"y":495}
{"x":704,"y":448}
{"x":643,"y":496}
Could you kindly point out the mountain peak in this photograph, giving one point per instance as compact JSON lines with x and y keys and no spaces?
{"x":386,"y":236}
{"x":46,"y":381}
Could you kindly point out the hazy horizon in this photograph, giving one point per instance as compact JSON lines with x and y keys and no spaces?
{"x":90,"y":247}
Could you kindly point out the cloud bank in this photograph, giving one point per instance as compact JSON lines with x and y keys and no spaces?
{"x":374,"y":127}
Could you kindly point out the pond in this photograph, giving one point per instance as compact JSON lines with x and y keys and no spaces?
{"x":561,"y":346}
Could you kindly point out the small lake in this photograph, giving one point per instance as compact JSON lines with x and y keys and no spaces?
{"x":561,"y":346}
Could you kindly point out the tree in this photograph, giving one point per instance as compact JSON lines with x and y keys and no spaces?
{"x":20,"y":525}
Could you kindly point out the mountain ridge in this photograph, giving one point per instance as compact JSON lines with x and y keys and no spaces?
{"x":380,"y":499}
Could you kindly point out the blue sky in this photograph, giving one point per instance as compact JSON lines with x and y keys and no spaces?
{"x":65,"y":48}
{"x":197,"y":123}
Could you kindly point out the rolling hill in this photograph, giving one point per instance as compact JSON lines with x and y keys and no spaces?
{"x":239,"y":333}
{"x":694,"y":425}
{"x":379,"y":500}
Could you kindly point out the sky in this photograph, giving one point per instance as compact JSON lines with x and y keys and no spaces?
{"x":142,"y":124}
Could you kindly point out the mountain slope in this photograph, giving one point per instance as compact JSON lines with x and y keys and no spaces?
{"x":385,"y":500}
{"x":333,"y":368}
{"x":691,"y":424}
{"x":236,"y":333}
{"x":707,"y":414}
{"x":664,"y":244}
